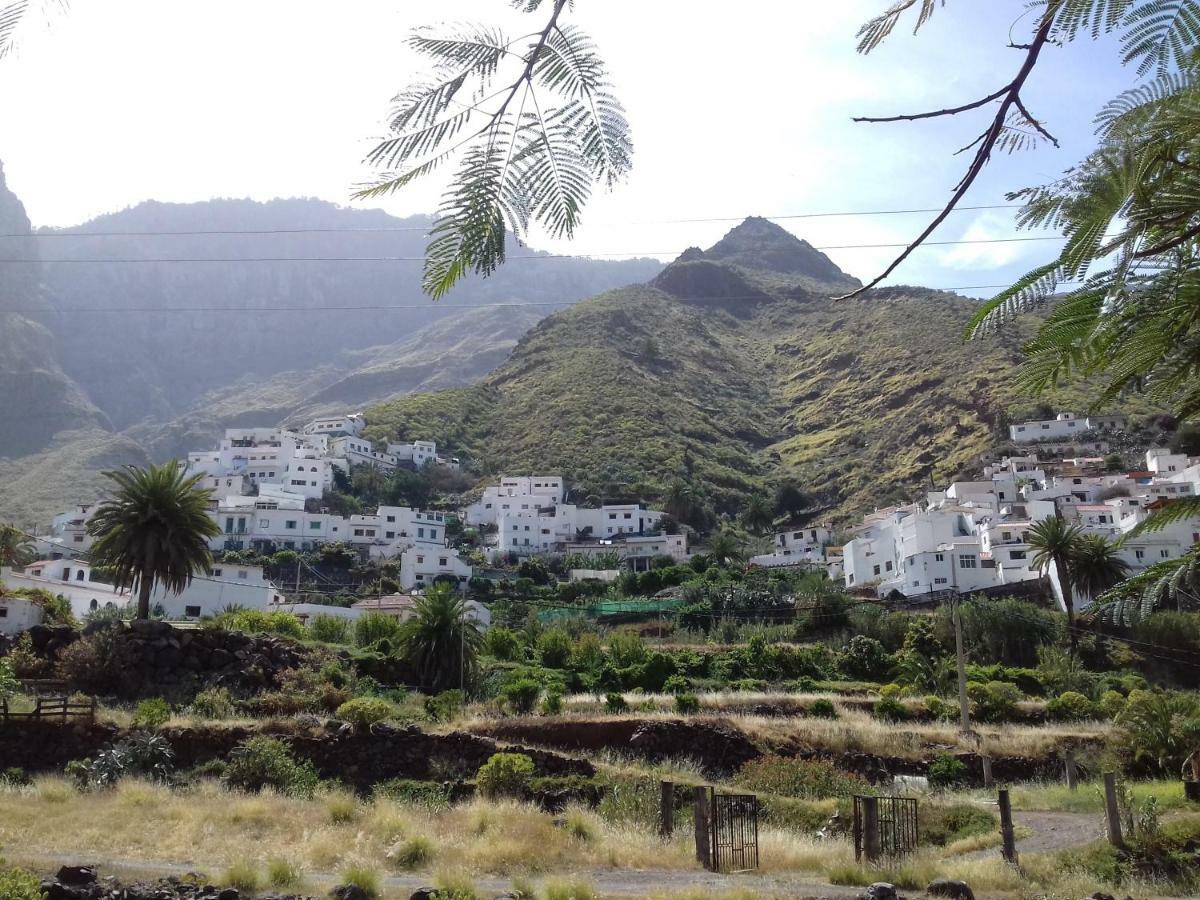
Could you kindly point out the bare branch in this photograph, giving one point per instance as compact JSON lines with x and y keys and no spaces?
{"x":983,"y":154}
{"x":1034,"y":122}
{"x":953,"y":111}
{"x":1174,"y":242}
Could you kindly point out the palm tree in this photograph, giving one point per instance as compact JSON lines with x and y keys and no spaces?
{"x":725,"y":548}
{"x":442,"y":640}
{"x":154,"y":531}
{"x":756,"y":514}
{"x":678,"y":500}
{"x":1096,"y":566}
{"x":1055,"y":543}
{"x":16,"y":548}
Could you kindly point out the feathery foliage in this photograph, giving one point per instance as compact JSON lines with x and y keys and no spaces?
{"x":16,"y":548}
{"x":155,"y":530}
{"x":1095,"y":566}
{"x":442,"y":640}
{"x":1055,"y":544}
{"x":1172,"y":584}
{"x":529,"y":150}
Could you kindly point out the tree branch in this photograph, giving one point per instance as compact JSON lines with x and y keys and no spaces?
{"x":953,"y":111}
{"x":1009,"y":99}
{"x":1171,"y":244}
{"x":1035,"y":123}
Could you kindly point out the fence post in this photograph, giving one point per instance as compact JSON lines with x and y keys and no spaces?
{"x":1071,"y":769}
{"x":666,"y":809}
{"x":1111,"y":810}
{"x":1007,"y":837}
{"x":703,"y":841}
{"x":987,"y":770}
{"x":870,"y":810}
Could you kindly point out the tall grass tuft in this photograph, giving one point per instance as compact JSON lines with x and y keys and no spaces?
{"x":570,"y":890}
{"x":243,"y":876}
{"x":413,"y":853}
{"x":283,"y":874}
{"x":364,"y":877}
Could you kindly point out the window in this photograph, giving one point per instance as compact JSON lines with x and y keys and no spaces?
{"x":1164,"y":553}
{"x":1139,"y":554}
{"x":66,"y":576}
{"x":877,"y":570}
{"x":290,"y":524}
{"x":389,"y":535}
{"x":887,"y":566}
{"x":243,"y":574}
{"x":264,"y":523}
{"x":851,"y":579}
{"x":217,"y":573}
{"x":391,"y":518}
{"x":421,"y":559}
{"x":1016,"y":554}
{"x":79,"y":538}
{"x":939,"y":581}
{"x":612,"y":515}
{"x":314,"y":526}
{"x":442,"y":561}
{"x":629,"y":515}
{"x":229,"y":524}
{"x":939,"y":557}
{"x":1006,"y":535}
{"x":433,"y":533}
{"x":191,"y":612}
{"x":967,"y":561}
{"x":3,"y":612}
{"x":420,"y":532}
{"x":79,"y":572}
{"x":358,"y":532}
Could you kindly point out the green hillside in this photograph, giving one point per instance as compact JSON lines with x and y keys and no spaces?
{"x":732,"y":369}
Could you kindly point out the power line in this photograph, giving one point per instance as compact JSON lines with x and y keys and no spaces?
{"x":621,"y":254}
{"x":376,"y":229}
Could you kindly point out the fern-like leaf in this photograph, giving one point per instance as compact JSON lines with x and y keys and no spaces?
{"x":876,"y":30}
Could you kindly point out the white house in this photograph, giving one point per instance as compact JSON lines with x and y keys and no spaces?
{"x":513,"y":494}
{"x":358,"y":451}
{"x":334,"y":426}
{"x":420,"y":567}
{"x":1163,"y":462}
{"x":418,"y":453}
{"x":1063,"y":426}
{"x":799,"y":547}
{"x":75,"y":580}
{"x":18,"y":614}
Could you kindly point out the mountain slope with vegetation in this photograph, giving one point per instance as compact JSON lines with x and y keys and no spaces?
{"x":733,"y":370}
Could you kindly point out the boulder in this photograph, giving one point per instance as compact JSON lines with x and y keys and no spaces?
{"x":424,"y":894}
{"x":229,"y":894}
{"x":881,"y":890}
{"x":945,"y":887}
{"x":348,"y":892}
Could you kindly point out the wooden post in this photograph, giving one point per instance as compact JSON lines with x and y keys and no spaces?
{"x":666,"y":809}
{"x":1112,"y":812}
{"x":870,"y":814}
{"x":1072,"y":771}
{"x":1007,"y":838}
{"x":987,"y":770}
{"x":703,"y":841}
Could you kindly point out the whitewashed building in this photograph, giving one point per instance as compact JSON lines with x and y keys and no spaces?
{"x":402,"y":607}
{"x":1065,"y":425}
{"x":421,"y":567}
{"x":334,"y":426}
{"x":797,"y":547}
{"x":515,"y":494}
{"x":18,"y":614}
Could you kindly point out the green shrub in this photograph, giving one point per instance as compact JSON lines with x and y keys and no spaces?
{"x":570,"y":890}
{"x":8,"y":680}
{"x":254,"y":621}
{"x":22,"y":662}
{"x":329,"y":629}
{"x":268,"y":762}
{"x":677,"y":684}
{"x":946,"y":770}
{"x":15,"y":776}
{"x":142,"y":755}
{"x":1070,"y":706}
{"x":935,"y":706}
{"x":415,"y":852}
{"x":812,"y":779}
{"x":522,"y":695}
{"x":890,"y":709}
{"x":429,"y":794}
{"x":865,"y":658}
{"x":1111,"y":704}
{"x":375,"y":627}
{"x":365,"y":878}
{"x":502,"y":644}
{"x":445,"y":706}
{"x":153,"y":713}
{"x":615,"y":703}
{"x":552,"y":704}
{"x":363,"y":712}
{"x":687,"y":704}
{"x":1157,"y":730}
{"x":626,"y":648}
{"x":995,"y":701}
{"x":505,"y":775}
{"x":213,"y":703}
{"x":96,"y":664}
{"x":823,"y":709}
{"x":891,"y":691}
{"x":19,"y":884}
{"x":554,"y":648}
{"x":944,"y":823}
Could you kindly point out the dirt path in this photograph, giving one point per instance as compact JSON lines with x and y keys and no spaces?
{"x":616,"y":883}
{"x":1050,"y":831}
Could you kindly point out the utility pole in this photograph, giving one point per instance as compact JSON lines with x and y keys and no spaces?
{"x":964,"y":712}
{"x":297,"y":578}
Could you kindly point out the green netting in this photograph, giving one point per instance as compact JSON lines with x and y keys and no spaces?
{"x":608,"y":608}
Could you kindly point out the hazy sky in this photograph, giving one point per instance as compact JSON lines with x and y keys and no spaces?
{"x":737,"y":109}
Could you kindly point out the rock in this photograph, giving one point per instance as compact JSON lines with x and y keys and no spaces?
{"x":1100,"y":895}
{"x":348,"y":892}
{"x":424,"y":894}
{"x":77,"y":874}
{"x":229,"y":894}
{"x":881,"y":890}
{"x":955,"y":890}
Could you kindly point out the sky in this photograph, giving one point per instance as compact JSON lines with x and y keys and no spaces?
{"x":736,"y":109}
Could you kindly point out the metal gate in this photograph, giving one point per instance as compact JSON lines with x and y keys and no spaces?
{"x":734,"y":832}
{"x":884,"y":826}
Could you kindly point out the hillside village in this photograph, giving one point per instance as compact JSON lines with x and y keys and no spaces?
{"x":267,"y":485}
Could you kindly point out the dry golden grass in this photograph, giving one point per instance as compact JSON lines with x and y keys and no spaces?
{"x":857,"y":730}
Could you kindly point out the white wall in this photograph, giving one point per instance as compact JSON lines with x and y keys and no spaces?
{"x":18,"y":614}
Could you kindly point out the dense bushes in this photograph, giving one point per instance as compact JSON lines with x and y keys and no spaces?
{"x":256,"y":621}
{"x":329,"y":629}
{"x":1070,"y":706}
{"x":262,"y":762}
{"x":374,"y":627}
{"x":96,"y":664}
{"x":363,"y":712}
{"x":505,"y":775}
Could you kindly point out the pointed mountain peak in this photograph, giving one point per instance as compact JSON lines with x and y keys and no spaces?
{"x":759,"y":244}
